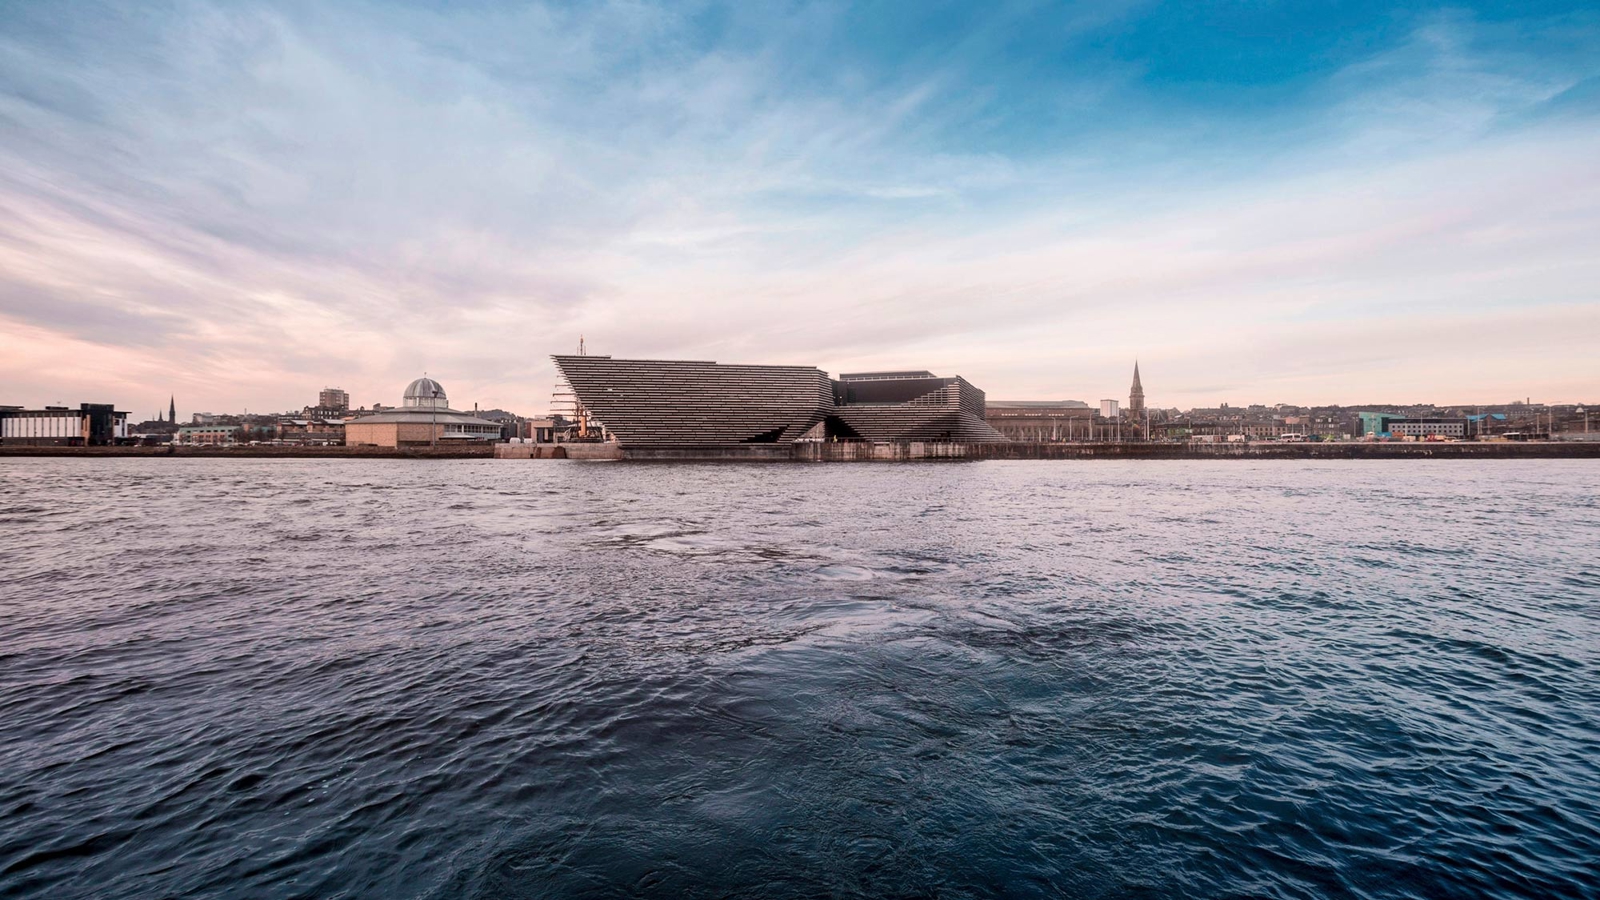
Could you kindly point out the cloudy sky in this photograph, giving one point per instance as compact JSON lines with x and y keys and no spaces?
{"x":239,"y":203}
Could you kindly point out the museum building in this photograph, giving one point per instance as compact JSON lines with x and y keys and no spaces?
{"x":667,"y":402}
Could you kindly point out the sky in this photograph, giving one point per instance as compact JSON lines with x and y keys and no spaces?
{"x":240,"y":203}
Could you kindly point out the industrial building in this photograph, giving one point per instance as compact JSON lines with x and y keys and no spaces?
{"x":1455,"y":428}
{"x":678,"y":402}
{"x":423,"y":419}
{"x":1384,"y":425}
{"x":91,"y":424}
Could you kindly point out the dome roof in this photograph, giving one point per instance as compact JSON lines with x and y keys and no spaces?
{"x":426,"y":393}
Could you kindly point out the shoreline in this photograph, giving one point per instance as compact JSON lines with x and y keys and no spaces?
{"x":913,"y":452}
{"x":484,"y":451}
{"x":1320,"y":450}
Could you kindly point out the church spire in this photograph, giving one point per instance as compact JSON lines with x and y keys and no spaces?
{"x":1136,"y":394}
{"x":172,"y":409}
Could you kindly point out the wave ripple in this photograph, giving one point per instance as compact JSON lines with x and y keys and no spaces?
{"x":332,"y":678}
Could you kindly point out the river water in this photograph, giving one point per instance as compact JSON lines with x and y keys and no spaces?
{"x":394,"y":679}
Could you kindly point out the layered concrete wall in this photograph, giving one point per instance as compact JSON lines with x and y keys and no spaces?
{"x":712,"y":453}
{"x":863,"y":451}
{"x":810,"y":451}
{"x":557,"y":451}
{"x":881,"y":452}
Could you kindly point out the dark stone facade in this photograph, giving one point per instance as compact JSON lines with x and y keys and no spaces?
{"x":668,"y":402}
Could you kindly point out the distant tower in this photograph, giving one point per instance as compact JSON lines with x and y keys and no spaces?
{"x":1136,"y":395}
{"x":172,"y":409}
{"x":334,"y":399}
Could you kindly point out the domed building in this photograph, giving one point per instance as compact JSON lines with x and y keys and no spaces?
{"x":425,"y":393}
{"x":424,"y":419}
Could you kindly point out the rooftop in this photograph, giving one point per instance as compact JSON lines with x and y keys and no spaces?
{"x":885,"y":376}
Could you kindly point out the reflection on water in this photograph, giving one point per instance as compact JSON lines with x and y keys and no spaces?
{"x":330,"y":678}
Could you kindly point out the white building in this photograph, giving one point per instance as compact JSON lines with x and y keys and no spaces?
{"x":89,"y":424}
{"x":1429,"y":427}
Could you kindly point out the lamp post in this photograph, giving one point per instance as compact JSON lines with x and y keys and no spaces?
{"x":433,"y":418}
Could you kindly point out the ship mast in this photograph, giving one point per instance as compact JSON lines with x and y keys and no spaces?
{"x":564,"y":401}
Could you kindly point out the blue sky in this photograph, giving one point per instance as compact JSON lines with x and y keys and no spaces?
{"x":239,"y":203}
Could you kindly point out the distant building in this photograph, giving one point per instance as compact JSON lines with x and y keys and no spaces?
{"x":1136,"y":394}
{"x":333,"y":405}
{"x":1488,"y":424}
{"x":91,"y":424}
{"x":663,"y":402}
{"x":333,"y":399}
{"x":423,"y":419}
{"x":540,"y":431}
{"x":1382,"y":425}
{"x":299,"y":430}
{"x":1041,"y":420}
{"x":1110,"y":409}
{"x":1455,"y":428}
{"x":209,"y":435}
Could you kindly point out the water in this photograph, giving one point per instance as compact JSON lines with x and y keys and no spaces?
{"x":332,"y":678}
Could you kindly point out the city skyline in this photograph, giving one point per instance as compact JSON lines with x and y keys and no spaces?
{"x":242,"y":204}
{"x":1127,"y":409}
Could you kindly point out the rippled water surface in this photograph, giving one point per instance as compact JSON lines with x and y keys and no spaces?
{"x":339,"y":678}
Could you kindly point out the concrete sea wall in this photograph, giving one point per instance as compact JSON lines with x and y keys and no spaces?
{"x":864,"y":451}
{"x":871,"y":452}
{"x":557,"y":451}
{"x":799,"y":452}
{"x":1279,"y":450}
{"x":458,"y":451}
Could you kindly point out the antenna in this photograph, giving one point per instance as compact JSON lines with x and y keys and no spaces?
{"x":564,"y":402}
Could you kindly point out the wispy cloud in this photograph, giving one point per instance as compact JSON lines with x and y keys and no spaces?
{"x":240,"y":203}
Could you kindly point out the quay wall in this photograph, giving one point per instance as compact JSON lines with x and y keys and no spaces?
{"x":810,"y":451}
{"x":463,"y":451}
{"x":557,"y":451}
{"x":864,"y":451}
{"x":895,"y":452}
{"x":1308,"y":450}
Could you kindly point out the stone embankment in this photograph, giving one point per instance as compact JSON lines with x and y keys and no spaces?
{"x":1308,"y":450}
{"x":871,"y":452}
{"x":557,"y":451}
{"x":798,"y":452}
{"x":463,"y":451}
{"x":863,"y":452}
